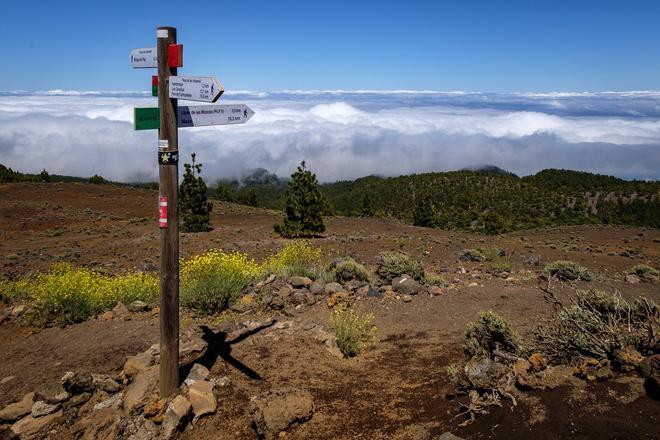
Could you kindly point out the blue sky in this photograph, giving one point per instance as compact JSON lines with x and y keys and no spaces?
{"x":277,"y":45}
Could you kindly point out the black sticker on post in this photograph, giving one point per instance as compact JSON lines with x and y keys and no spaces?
{"x":168,"y":157}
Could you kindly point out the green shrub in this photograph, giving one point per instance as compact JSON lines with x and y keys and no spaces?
{"x":488,"y":333}
{"x":431,"y":279}
{"x":347,"y":269}
{"x":567,"y":271}
{"x":97,"y":180}
{"x":298,"y":257}
{"x":353,"y":331}
{"x":472,"y":255}
{"x":491,"y":254}
{"x":498,"y":267}
{"x":643,"y":270}
{"x":390,"y":265}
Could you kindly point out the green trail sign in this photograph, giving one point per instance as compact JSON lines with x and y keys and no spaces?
{"x":147,"y":118}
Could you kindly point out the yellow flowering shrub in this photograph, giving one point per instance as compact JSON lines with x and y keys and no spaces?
{"x":211,"y":281}
{"x":68,"y":295}
{"x":353,"y":331}
{"x":298,"y":257}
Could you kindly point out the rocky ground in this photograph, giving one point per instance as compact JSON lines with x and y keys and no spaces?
{"x":265,"y":355}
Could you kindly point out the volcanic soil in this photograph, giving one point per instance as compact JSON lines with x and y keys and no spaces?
{"x":399,"y":382}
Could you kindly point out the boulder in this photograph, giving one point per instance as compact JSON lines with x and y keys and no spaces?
{"x":30,"y":426}
{"x":412,"y":432}
{"x":298,"y":296}
{"x":300,"y":282}
{"x":114,"y":402}
{"x":121,"y":312}
{"x":649,"y":368}
{"x":138,"y":306}
{"x":448,"y":436}
{"x":275,"y":411}
{"x":176,"y":416}
{"x":103,"y":424}
{"x":203,"y":398}
{"x":105,"y":383}
{"x":317,"y":288}
{"x":77,"y":383}
{"x":310,"y":298}
{"x":138,"y":363}
{"x":15,"y":411}
{"x":331,"y":288}
{"x":369,"y":292}
{"x":137,"y":393}
{"x":406,"y":285}
{"x":626,"y":359}
{"x":197,"y":372}
{"x":40,"y":409}
{"x":436,"y":291}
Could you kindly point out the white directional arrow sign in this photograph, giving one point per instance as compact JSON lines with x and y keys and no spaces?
{"x":145,"y":57}
{"x":195,"y":88}
{"x":201,"y":115}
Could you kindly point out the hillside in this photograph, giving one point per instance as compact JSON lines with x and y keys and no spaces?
{"x":489,"y":200}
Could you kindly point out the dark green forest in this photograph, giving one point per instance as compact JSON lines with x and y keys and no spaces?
{"x":490,"y":200}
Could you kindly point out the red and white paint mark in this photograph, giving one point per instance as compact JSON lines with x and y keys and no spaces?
{"x":162,"y":208}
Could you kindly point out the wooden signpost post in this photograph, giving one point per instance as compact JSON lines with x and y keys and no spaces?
{"x":167,"y":117}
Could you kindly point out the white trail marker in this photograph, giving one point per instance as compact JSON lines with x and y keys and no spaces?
{"x":195,"y":88}
{"x":202,"y":115}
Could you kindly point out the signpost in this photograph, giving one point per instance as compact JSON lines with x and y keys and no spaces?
{"x":196,"y":88}
{"x":167,"y":117}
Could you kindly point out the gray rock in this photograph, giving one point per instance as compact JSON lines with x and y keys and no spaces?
{"x":275,"y":411}
{"x":197,"y":372}
{"x":176,"y":417}
{"x":138,"y":392}
{"x":116,"y":402}
{"x":298,"y":296}
{"x":138,"y":306}
{"x":331,"y":288}
{"x":138,"y":363}
{"x":317,"y":288}
{"x":203,"y":399}
{"x":29,"y":427}
{"x":16,"y":410}
{"x":105,"y":383}
{"x":310,"y":298}
{"x":77,"y":383}
{"x":373,"y":293}
{"x":405,"y":284}
{"x":277,"y":303}
{"x":300,"y":282}
{"x":40,"y":409}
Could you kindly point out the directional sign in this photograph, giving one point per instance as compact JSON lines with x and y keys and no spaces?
{"x":145,"y":57}
{"x":195,"y":116}
{"x":195,"y":88}
{"x":201,"y":115}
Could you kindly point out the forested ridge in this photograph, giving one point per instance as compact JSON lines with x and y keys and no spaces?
{"x":489,"y":201}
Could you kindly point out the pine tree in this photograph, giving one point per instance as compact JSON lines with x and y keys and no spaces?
{"x":367,"y":208}
{"x":194,"y":205}
{"x":424,"y":213}
{"x":305,"y":206}
{"x":44,"y":176}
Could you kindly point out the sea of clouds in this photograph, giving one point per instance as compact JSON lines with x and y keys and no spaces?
{"x":342,"y":134}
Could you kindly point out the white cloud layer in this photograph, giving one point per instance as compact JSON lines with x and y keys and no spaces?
{"x":343,"y":134}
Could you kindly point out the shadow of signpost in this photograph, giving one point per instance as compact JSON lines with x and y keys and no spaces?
{"x":220,"y":348}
